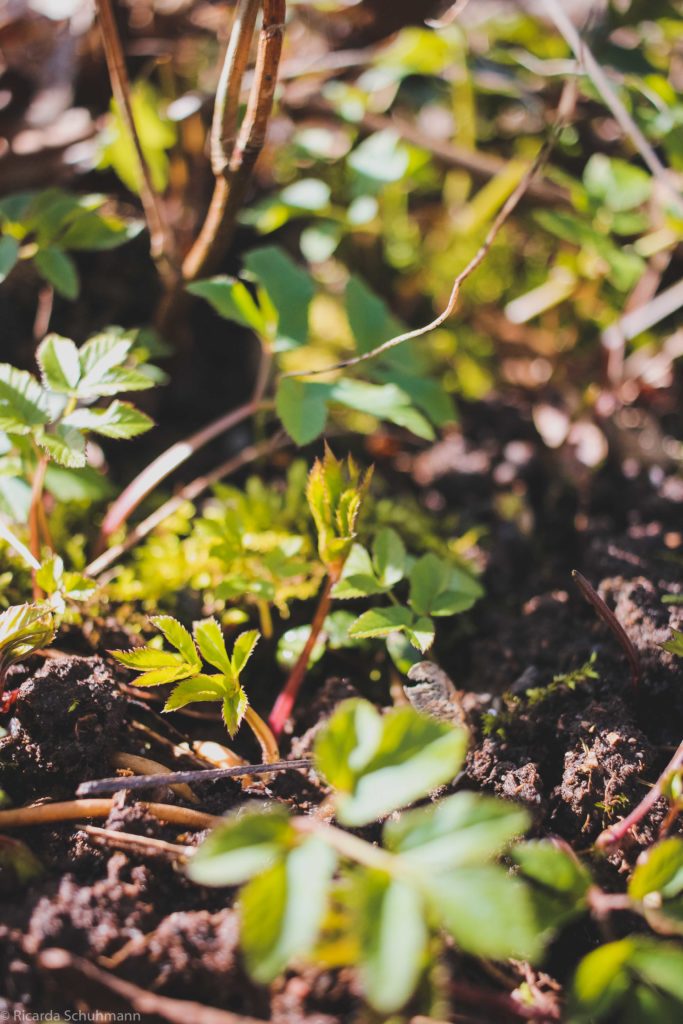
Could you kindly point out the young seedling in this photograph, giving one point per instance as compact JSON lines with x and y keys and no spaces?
{"x":335,"y":494}
{"x":184,"y":667}
{"x":23,"y":629}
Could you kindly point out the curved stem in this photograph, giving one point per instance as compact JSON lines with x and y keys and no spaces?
{"x":262,"y":732}
{"x":284,"y":704}
{"x":74,"y":810}
{"x":34,"y":518}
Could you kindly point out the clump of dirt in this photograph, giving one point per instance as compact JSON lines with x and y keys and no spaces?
{"x":66,"y":722}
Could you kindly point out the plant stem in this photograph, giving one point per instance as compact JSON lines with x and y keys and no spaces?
{"x":615,"y":834}
{"x":34,"y":518}
{"x":284,"y":704}
{"x":161,"y":467}
{"x":73,"y":810}
{"x":236,"y":160}
{"x":262,"y":732}
{"x":349,"y":846}
{"x":20,"y":548}
{"x":226,"y":108}
{"x":610,"y":619}
{"x":113,"y":785}
{"x":161,"y":243}
{"x":187,"y":493}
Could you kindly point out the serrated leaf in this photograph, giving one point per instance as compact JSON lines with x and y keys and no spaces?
{"x":378,"y":622}
{"x":65,"y":445}
{"x":209,"y":638}
{"x":421,"y":634}
{"x":231,"y":299}
{"x":119,"y":420}
{"x":59,"y":270}
{"x":243,"y":650}
{"x":247,"y":844}
{"x":9,"y":255}
{"x":393,"y":939}
{"x":178,"y":637}
{"x":281,"y":910}
{"x":200,"y":688}
{"x":459,"y":830}
{"x":358,"y":576}
{"x":487,"y":911}
{"x":233,"y":710}
{"x":378,"y":764}
{"x":24,"y":628}
{"x":675,"y":644}
{"x":23,"y":403}
{"x":103,"y":352}
{"x":385,"y":401}
{"x":59,"y":363}
{"x":302,"y":408}
{"x":50,"y":574}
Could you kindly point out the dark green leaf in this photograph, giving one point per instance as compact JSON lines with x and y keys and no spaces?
{"x":289,"y":288}
{"x":231,"y":299}
{"x":59,"y":270}
{"x":9,"y":254}
{"x":302,"y":408}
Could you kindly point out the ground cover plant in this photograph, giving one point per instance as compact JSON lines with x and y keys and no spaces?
{"x":341,"y":586}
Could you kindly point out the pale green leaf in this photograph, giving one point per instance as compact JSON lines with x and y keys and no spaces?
{"x":59,"y":363}
{"x":209,"y":638}
{"x":247,"y":844}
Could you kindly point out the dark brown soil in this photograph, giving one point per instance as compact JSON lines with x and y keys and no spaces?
{"x":578,"y":755}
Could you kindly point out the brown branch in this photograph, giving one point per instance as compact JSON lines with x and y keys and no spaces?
{"x":226,"y":109}
{"x":161,"y":242}
{"x":113,"y":785}
{"x":144,"y":846}
{"x":237,"y":164}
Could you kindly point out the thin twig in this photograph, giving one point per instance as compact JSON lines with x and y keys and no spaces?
{"x":74,"y":810}
{"x":238,"y":162}
{"x":615,"y":834}
{"x":113,"y":785}
{"x":507,"y":208}
{"x":558,"y":12}
{"x":226,"y":108}
{"x":610,"y":619}
{"x":146,"y":766}
{"x":101,"y":990}
{"x":165,"y":464}
{"x":161,"y":242}
{"x":188,"y":493}
{"x":143,"y":845}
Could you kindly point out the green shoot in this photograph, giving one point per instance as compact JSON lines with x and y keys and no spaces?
{"x":23,"y":629}
{"x":335,"y":494}
{"x":184,"y":667}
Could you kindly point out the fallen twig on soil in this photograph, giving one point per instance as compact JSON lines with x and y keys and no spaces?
{"x":610,"y":619}
{"x":144,"y":845}
{"x":100,"y":990}
{"x":113,"y":785}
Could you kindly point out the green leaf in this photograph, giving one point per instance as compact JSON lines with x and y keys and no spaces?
{"x":23,"y":403}
{"x":559,"y":882}
{"x":65,"y":445}
{"x":385,"y":401}
{"x":380,"y":159}
{"x":178,"y":637}
{"x":358,"y":576}
{"x":307,"y":194}
{"x":209,"y":638}
{"x":59,"y":364}
{"x":281,"y":910}
{"x":9,"y":254}
{"x":233,"y":710}
{"x":464,"y":829}
{"x":247,"y":844}
{"x":231,"y":299}
{"x":119,"y":420}
{"x":381,"y":622}
{"x":378,"y":764}
{"x":393,"y":939}
{"x":657,"y":883}
{"x":389,"y":555}
{"x":59,"y":270}
{"x":289,"y":288}
{"x":421,"y":634}
{"x":601,"y":980}
{"x":675,"y":645}
{"x":243,"y":650}
{"x":487,"y":911}
{"x":615,"y":183}
{"x":96,"y":232}
{"x":156,"y":132}
{"x":199,"y":689}
{"x":437,"y":588}
{"x":24,"y":628}
{"x":302,"y":408}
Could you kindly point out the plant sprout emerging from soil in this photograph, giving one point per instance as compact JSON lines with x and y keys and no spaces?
{"x":23,"y":629}
{"x":184,"y":667}
{"x":335,"y":493}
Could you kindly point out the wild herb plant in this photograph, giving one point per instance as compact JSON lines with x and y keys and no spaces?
{"x":46,"y":227}
{"x":313,"y":890}
{"x":184,"y":668}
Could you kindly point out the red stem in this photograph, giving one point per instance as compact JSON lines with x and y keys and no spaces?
{"x":284,"y":704}
{"x":615,"y":834}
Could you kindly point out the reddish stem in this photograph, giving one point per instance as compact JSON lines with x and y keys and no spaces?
{"x":284,"y":704}
{"x":615,"y":834}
